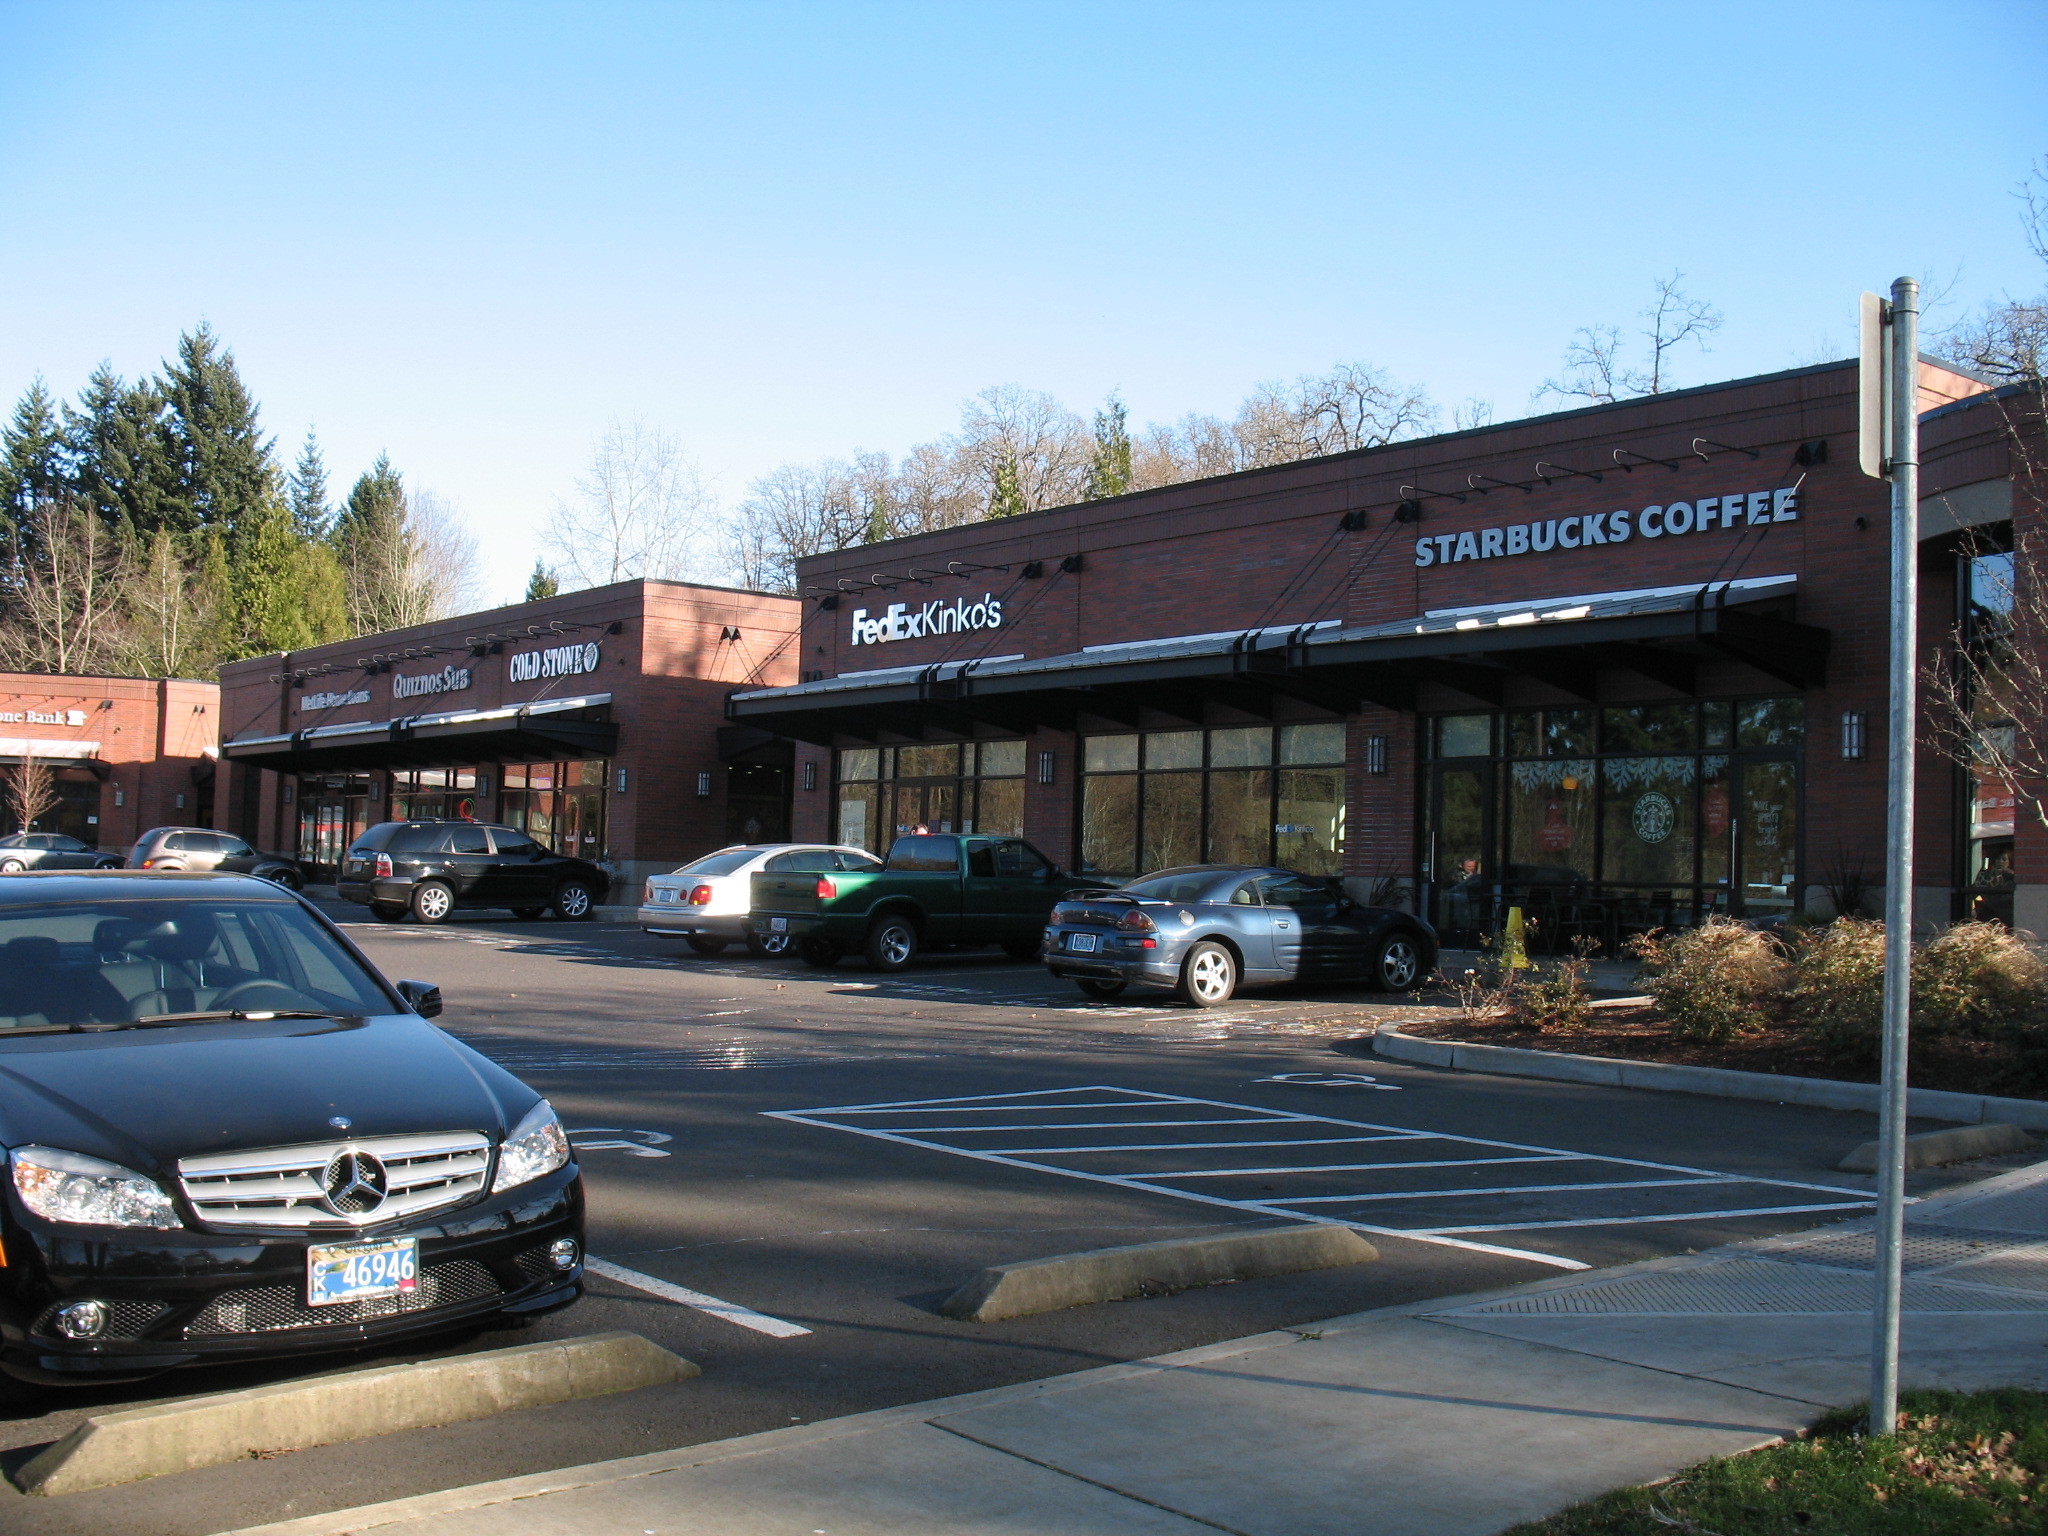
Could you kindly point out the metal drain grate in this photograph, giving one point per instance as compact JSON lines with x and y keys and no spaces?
{"x":1751,"y":1287}
{"x":1925,"y":1248}
{"x":2018,"y":1211}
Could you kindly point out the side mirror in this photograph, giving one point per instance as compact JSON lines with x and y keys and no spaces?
{"x":422,"y":997}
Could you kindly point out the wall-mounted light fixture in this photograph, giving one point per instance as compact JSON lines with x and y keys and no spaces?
{"x":120,"y":796}
{"x":1045,"y":766}
{"x":376,"y":787}
{"x":1033,"y":569}
{"x":1375,"y":754}
{"x":620,"y":781}
{"x":288,"y":787}
{"x":704,"y":785}
{"x":1855,"y":736}
{"x":811,"y":774}
{"x":1354,"y":520}
{"x":180,"y":802}
{"x":1409,"y":511}
{"x":729,"y":632}
{"x":483,"y":784}
{"x":1073,"y":565}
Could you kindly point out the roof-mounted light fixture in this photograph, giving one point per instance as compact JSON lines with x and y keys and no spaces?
{"x":1033,"y":569}
{"x":1506,"y":485}
{"x":1562,"y":472}
{"x":1720,"y":447}
{"x":1630,"y":468}
{"x":1073,"y":565}
{"x":1354,"y":520}
{"x":1417,"y":492}
{"x":1409,"y":511}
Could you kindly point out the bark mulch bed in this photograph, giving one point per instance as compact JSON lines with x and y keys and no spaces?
{"x":1635,"y":1032}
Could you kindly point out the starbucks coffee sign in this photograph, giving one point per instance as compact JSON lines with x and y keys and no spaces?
{"x":555,"y":661}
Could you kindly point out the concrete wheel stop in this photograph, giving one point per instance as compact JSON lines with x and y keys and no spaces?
{"x":1935,"y":1149}
{"x":136,"y":1443}
{"x":1179,"y":1264}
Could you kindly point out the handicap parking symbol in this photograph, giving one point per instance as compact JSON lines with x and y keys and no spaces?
{"x":632,"y":1143}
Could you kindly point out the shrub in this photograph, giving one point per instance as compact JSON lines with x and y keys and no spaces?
{"x":1552,"y":1000}
{"x":1713,"y":982}
{"x":1838,"y":989}
{"x":1980,"y":981}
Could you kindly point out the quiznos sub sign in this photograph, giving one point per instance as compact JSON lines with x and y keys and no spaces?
{"x":555,"y":661}
{"x":938,"y":617}
{"x":447,"y":680}
{"x":1678,"y":519}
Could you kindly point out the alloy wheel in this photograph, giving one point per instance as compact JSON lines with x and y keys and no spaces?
{"x":1399,"y":965}
{"x":1211,"y":976}
{"x":573,"y":901}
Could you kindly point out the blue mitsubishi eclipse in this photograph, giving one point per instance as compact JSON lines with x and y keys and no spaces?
{"x":1204,"y":930}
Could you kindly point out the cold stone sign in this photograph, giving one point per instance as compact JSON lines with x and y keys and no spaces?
{"x":937,"y":617}
{"x":447,"y":680}
{"x":1743,"y":509}
{"x":555,"y":661}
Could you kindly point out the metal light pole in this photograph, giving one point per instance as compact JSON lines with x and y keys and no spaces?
{"x":1902,"y":358}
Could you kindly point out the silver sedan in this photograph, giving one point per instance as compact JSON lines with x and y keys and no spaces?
{"x":1205,"y":930}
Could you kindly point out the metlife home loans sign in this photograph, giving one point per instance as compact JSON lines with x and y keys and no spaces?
{"x":937,"y":617}
{"x":1745,"y":509}
{"x":334,"y":700}
{"x":447,"y":680}
{"x":555,"y":661}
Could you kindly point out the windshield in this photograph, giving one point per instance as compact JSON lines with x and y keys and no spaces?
{"x":116,"y":962}
{"x":722,"y":863}
{"x":1175,"y":885}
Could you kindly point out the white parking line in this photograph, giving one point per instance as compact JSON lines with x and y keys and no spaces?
{"x":909,"y":1129}
{"x":746,"y":1317}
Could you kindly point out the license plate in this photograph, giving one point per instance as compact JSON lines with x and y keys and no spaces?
{"x":359,"y":1271}
{"x":664,"y":895}
{"x":778,"y":925}
{"x":1082,"y":943}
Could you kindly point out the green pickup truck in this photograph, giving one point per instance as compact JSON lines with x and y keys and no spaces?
{"x":934,"y":891}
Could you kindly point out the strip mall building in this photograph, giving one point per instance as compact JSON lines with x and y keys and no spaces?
{"x":1621,"y":666}
{"x":593,"y":720}
{"x":124,"y":753}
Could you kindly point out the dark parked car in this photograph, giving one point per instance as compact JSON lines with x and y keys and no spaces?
{"x":51,"y":850}
{"x":1205,"y":930}
{"x":229,"y":1138}
{"x":429,"y":868}
{"x":197,"y":849}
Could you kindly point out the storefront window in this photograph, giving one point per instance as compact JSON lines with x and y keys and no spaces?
{"x":1684,"y":810}
{"x":562,"y":805}
{"x":334,"y":809}
{"x":890,"y":792}
{"x":1158,"y":799}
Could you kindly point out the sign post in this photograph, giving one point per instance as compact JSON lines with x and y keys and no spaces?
{"x":1889,"y":447}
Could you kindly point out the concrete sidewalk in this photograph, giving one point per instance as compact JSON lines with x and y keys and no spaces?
{"x":1447,"y":1418}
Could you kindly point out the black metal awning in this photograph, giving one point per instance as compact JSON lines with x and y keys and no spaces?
{"x":555,"y":728}
{"x":1663,"y":634}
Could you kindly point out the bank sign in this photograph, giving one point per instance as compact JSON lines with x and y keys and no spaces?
{"x":1678,"y":519}
{"x":42,"y":717}
{"x":937,"y":617}
{"x":555,"y":661}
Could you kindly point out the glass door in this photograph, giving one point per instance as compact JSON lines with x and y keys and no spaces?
{"x":1457,"y":858}
{"x":1767,"y":838}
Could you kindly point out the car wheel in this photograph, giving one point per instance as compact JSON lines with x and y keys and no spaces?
{"x":288,"y":878}
{"x":1208,"y":977}
{"x":706,"y":946}
{"x":11,"y":866}
{"x":820,"y":952}
{"x":432,"y":902}
{"x":385,"y":912}
{"x":528,"y":914}
{"x":572,"y":901}
{"x":769,"y":946}
{"x":1397,"y":963}
{"x":892,"y":944}
{"x":1096,"y":986}
{"x":1024,"y":949}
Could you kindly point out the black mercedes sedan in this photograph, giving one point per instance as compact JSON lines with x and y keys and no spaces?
{"x":1205,"y":930}
{"x":228,"y":1137}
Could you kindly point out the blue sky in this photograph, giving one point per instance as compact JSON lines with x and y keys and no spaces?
{"x":472,"y":234}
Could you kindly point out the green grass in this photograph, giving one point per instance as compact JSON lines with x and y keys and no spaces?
{"x":1962,"y":1462}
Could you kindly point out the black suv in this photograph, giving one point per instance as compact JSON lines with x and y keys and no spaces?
{"x":429,"y":868}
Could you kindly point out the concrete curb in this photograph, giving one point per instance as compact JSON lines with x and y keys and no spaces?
{"x":136,"y":1443}
{"x":1178,"y":1264}
{"x":1713,"y":1082}
{"x":1931,"y":1149}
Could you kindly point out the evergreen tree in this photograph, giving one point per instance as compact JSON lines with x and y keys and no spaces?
{"x":1109,"y":466}
{"x":118,"y":444}
{"x":306,"y":491}
{"x":1006,"y":491}
{"x":373,"y":537}
{"x":225,"y":468}
{"x":31,"y":459}
{"x":542,"y":584}
{"x":283,"y":592}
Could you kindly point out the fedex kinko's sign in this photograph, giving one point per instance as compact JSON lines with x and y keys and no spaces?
{"x":1678,"y":519}
{"x":937,"y":617}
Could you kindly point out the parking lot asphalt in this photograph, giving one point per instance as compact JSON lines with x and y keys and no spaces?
{"x":789,"y":1168}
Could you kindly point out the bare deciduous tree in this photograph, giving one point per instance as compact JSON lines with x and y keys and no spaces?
{"x":640,"y":511}
{"x":171,"y":606}
{"x":1596,"y":367}
{"x":64,"y":610}
{"x":1986,"y":692}
{"x":31,"y":791}
{"x":440,"y":575}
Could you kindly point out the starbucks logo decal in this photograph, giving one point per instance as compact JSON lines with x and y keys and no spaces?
{"x":1653,"y":816}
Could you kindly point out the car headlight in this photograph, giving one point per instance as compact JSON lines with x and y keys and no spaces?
{"x":538,"y":1145}
{"x":85,"y":1191}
